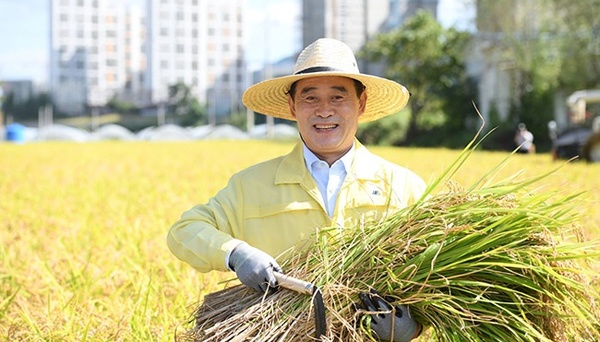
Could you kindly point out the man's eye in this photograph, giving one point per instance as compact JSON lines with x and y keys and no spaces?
{"x":309,"y":99}
{"x":338,"y":98}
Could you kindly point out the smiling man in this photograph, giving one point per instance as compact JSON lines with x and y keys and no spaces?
{"x":328,"y":179}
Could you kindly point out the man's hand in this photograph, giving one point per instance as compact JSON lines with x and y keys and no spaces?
{"x":253,"y":267}
{"x":393,"y":326}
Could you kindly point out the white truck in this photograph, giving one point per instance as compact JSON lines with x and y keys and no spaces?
{"x":581,"y":137}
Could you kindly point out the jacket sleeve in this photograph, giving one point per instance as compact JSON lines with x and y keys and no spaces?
{"x":203,"y":235}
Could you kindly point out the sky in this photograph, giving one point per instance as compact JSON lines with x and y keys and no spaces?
{"x":24,"y":33}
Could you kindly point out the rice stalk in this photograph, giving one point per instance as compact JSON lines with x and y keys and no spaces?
{"x":492,"y":262}
{"x":474,"y":265}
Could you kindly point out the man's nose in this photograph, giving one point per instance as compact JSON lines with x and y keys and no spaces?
{"x":325,"y":109}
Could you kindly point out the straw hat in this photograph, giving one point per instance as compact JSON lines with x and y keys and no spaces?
{"x":326,"y":57}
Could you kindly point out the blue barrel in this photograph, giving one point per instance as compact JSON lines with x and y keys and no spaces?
{"x":15,"y":133}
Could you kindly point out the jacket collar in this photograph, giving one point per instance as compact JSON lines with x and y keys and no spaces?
{"x":292,"y":168}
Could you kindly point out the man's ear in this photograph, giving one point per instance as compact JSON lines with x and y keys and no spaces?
{"x":362,"y":103}
{"x":291,"y":105}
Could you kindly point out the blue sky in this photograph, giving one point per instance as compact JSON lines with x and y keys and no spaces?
{"x":24,"y":33}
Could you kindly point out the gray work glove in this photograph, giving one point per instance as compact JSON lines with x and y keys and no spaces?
{"x":385,"y":323}
{"x":253,"y":267}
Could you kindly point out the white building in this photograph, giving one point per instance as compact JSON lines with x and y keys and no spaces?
{"x":351,"y":21}
{"x":95,"y":53}
{"x":199,"y":43}
{"x":356,"y":21}
{"x":102,"y":50}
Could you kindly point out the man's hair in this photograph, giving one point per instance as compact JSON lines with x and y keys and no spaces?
{"x":360,"y":88}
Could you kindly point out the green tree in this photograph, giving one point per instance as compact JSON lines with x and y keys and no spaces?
{"x":184,"y":106}
{"x":24,"y":110}
{"x":547,"y":47}
{"x":122,"y":107}
{"x":429,"y":60}
{"x":577,"y":25}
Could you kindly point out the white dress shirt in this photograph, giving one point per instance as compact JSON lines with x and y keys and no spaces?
{"x":329,"y":179}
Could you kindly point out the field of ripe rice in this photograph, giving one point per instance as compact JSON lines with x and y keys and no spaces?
{"x":83,"y":255}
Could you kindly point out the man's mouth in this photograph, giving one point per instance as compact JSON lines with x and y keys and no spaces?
{"x":325,"y":126}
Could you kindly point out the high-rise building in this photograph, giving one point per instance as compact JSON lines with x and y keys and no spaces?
{"x":408,"y":8}
{"x":356,"y":21}
{"x":102,"y":50}
{"x":199,"y":43}
{"x":95,"y":53}
{"x":351,"y":21}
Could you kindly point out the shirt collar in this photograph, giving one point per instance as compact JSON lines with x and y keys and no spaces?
{"x":310,"y":157}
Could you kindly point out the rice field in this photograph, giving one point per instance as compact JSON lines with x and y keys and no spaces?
{"x":83,"y":254}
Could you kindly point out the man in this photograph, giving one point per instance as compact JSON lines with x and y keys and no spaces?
{"x":328,"y":179}
{"x":524,"y":139}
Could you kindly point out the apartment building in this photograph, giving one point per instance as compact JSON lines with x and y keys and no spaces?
{"x":199,"y":43}
{"x":351,"y":21}
{"x":95,"y":53}
{"x":356,"y":21}
{"x":101,"y":49}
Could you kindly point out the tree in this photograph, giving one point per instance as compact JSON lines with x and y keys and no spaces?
{"x":27,"y":109}
{"x":577,"y":23}
{"x":548,"y":46}
{"x":185,"y":106}
{"x":428,"y":60}
{"x":122,"y":107}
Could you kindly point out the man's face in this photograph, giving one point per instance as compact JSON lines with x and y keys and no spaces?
{"x":327,"y":111}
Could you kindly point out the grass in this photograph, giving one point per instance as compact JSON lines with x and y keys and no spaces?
{"x":83,"y":254}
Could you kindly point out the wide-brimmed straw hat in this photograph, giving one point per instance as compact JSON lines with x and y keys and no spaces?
{"x":326,"y":57}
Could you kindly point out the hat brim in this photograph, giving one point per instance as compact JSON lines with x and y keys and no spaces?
{"x":269,"y":97}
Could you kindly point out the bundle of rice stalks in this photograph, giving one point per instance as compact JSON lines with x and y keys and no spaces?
{"x":488,"y":263}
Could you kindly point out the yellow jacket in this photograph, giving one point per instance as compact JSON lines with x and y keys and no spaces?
{"x":275,"y":205}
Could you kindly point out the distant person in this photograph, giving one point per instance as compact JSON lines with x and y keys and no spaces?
{"x":524,"y":140}
{"x":328,"y":179}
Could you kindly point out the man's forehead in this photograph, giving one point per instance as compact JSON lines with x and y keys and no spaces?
{"x":333,"y":82}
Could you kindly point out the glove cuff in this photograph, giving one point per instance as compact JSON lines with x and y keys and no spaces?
{"x":228,"y":259}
